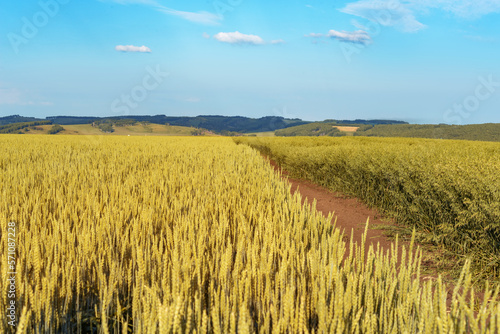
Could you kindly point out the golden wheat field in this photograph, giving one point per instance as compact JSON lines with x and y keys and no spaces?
{"x":195,"y":235}
{"x":449,"y":190}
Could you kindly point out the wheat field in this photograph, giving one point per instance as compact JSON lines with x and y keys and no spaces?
{"x":449,"y":190}
{"x":196,"y":235}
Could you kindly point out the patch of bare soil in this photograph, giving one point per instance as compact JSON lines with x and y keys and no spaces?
{"x":349,"y":212}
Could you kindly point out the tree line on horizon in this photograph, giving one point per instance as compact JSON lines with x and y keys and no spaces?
{"x":215,"y":123}
{"x":237,"y":125}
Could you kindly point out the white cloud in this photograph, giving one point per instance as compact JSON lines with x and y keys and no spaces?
{"x":403,"y":15}
{"x":205,"y":35}
{"x":315,"y":35}
{"x":389,"y":13}
{"x":132,"y":48}
{"x":278,"y":41}
{"x":357,"y":37}
{"x":238,"y":38}
{"x":199,"y":17}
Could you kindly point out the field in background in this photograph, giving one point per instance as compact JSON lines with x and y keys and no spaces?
{"x":169,"y":234}
{"x":479,"y":132}
{"x":135,"y":130}
{"x":449,"y":190}
{"x":347,"y":128}
{"x":124,"y":127}
{"x":318,"y":129}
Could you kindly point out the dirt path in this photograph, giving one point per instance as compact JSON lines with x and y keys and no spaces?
{"x":350,"y":213}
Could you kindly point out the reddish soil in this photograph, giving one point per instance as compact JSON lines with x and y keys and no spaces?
{"x":350,"y":213}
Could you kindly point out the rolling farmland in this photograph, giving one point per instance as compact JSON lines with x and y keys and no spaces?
{"x":176,"y":235}
{"x":131,"y":130}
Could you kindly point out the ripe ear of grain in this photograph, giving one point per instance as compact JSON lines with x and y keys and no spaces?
{"x":449,"y":190}
{"x":180,"y":234}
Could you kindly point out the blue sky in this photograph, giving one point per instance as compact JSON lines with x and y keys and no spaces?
{"x":420,"y":61}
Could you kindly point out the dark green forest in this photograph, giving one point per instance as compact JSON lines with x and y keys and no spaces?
{"x":19,"y":127}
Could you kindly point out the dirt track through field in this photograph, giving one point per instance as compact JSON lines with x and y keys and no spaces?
{"x":351,"y":214}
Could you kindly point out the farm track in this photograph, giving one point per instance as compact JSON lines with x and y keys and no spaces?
{"x":351,"y":215}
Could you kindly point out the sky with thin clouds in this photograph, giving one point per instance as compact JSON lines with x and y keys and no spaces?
{"x":420,"y":61}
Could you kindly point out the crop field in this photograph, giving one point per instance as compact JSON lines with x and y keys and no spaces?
{"x":348,"y":128}
{"x":200,"y":235}
{"x":448,"y":190}
{"x":131,"y":130}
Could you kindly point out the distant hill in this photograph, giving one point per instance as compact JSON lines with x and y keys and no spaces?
{"x":311,"y":129}
{"x":74,"y":120}
{"x":219,"y":124}
{"x":363,"y":122}
{"x":482,"y":132}
{"x":233,"y":125}
{"x":138,"y":129}
{"x":333,"y":128}
{"x":18,"y":119}
{"x":383,"y":128}
{"x":21,"y":127}
{"x":212,"y":123}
